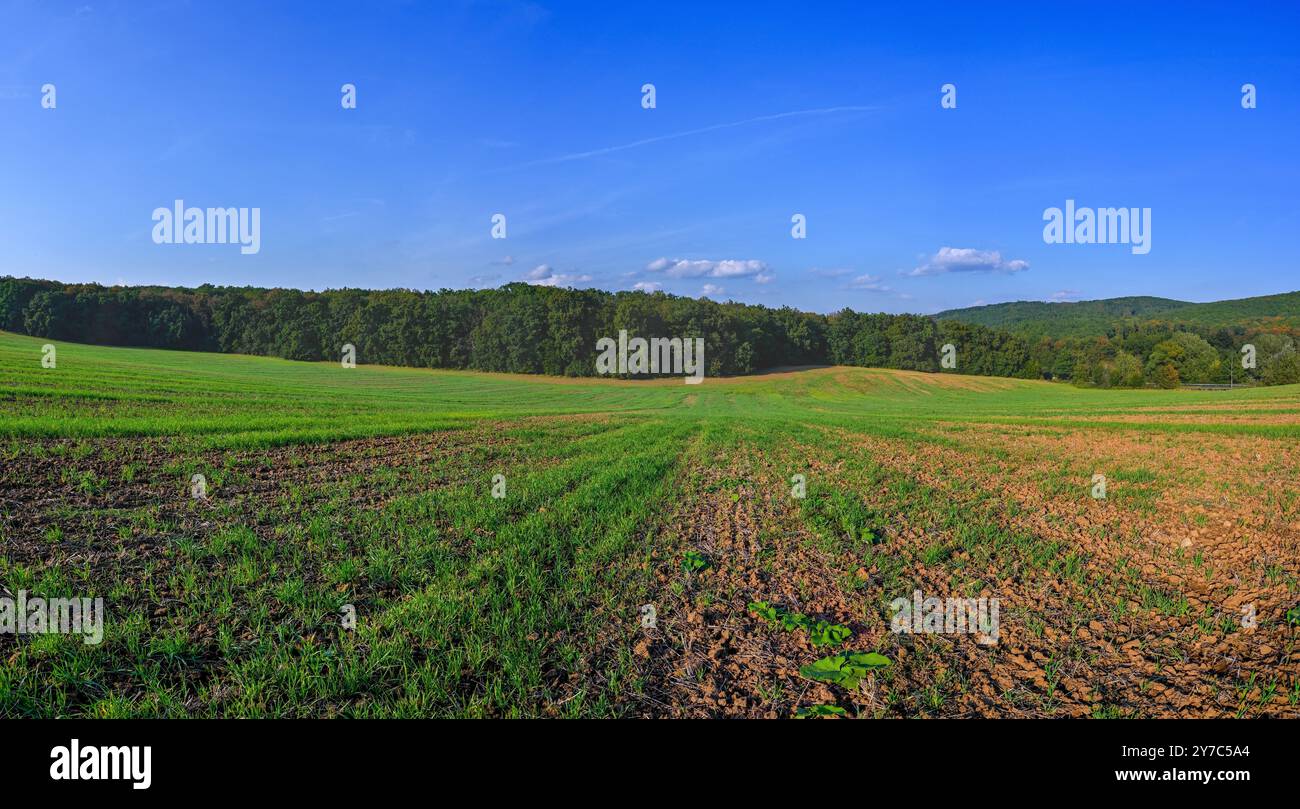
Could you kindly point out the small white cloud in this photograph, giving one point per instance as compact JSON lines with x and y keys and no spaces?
{"x":711,"y":291}
{"x":507,"y":261}
{"x":1066,"y":295}
{"x":704,"y":268}
{"x":647,"y":286}
{"x":738,"y":269}
{"x":764,"y":278}
{"x":869,"y":282}
{"x":967,"y":259}
{"x":689,"y":269}
{"x":544,"y":276}
{"x":562,"y":280}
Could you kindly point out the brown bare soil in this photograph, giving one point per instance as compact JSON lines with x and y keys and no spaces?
{"x":1151,"y":621}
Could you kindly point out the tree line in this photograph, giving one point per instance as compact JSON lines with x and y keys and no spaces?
{"x":520,"y":328}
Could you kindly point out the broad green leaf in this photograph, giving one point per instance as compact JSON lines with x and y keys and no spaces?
{"x":845,"y":669}
{"x":693,"y":561}
{"x":828,"y":634}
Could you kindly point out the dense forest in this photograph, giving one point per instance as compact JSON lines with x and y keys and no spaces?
{"x":1034,"y":319}
{"x":534,"y":329}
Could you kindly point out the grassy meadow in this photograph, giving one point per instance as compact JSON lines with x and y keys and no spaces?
{"x":370,"y":492}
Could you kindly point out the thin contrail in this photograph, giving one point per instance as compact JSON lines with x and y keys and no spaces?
{"x":644,"y":141}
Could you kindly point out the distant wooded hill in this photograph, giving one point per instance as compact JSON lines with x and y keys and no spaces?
{"x":1109,"y":316}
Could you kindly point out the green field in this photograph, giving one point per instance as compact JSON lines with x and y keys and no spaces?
{"x":373,"y":487}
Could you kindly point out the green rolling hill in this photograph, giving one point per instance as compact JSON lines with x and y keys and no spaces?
{"x":1090,"y":318}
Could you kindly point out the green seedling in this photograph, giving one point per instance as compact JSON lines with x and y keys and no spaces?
{"x":845,"y":669}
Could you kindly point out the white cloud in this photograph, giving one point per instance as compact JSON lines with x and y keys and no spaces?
{"x":871,"y":283}
{"x":738,"y":269}
{"x":648,"y":286}
{"x":711,"y":291}
{"x":704,"y":268}
{"x":544,"y":276}
{"x":1066,"y":295}
{"x":967,"y":259}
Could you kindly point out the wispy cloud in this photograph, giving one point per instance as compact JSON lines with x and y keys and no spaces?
{"x":835,"y":273}
{"x":337,"y":217}
{"x":690,"y":133}
{"x":870,"y":283}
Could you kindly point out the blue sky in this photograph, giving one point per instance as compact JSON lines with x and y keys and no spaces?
{"x":534,"y":110}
